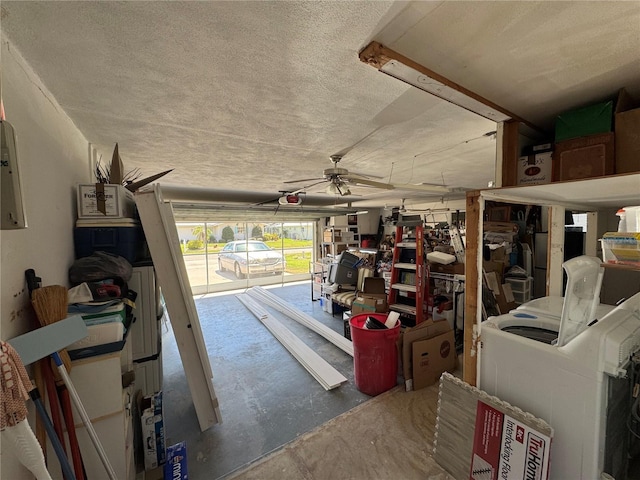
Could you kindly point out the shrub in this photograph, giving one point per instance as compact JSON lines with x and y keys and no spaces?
{"x":194,"y":245}
{"x":271,"y":237}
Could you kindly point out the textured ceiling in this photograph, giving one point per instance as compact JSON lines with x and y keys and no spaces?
{"x":246,"y":95}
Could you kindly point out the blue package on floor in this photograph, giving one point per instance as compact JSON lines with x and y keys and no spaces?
{"x":175,"y":467}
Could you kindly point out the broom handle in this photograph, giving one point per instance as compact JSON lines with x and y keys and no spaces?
{"x":85,"y":418}
{"x":55,"y":440}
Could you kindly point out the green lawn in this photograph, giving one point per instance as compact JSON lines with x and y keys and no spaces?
{"x":298,"y":262}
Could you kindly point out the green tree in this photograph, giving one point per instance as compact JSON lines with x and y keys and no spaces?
{"x":227,"y":234}
{"x":200,"y":233}
{"x":256,"y":232}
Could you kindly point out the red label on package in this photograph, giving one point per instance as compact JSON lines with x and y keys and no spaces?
{"x":506,"y":449}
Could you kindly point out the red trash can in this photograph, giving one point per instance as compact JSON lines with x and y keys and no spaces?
{"x":375,"y":354}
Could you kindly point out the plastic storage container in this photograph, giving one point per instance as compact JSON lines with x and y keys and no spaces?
{"x":521,"y":288}
{"x":122,"y":237}
{"x":621,"y":247}
{"x":375,"y":354}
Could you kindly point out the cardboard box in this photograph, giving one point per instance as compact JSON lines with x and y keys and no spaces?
{"x":369,"y":303}
{"x":422,"y":331}
{"x":451,"y":269}
{"x":535,"y":169}
{"x":581,"y":122}
{"x":152,"y":422}
{"x":348,"y":237}
{"x":105,"y":200}
{"x":586,"y":157}
{"x":431,"y":357}
{"x":627,"y":140}
{"x":332,"y":236}
{"x":176,"y":466}
{"x":497,"y":267}
{"x":372,"y":298}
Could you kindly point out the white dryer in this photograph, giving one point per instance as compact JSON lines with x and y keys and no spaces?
{"x":574,"y":382}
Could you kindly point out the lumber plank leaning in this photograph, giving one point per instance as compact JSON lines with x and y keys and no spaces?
{"x":318,"y":367}
{"x":308,"y":321}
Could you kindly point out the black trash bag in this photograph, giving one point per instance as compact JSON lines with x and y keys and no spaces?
{"x":100,"y":266}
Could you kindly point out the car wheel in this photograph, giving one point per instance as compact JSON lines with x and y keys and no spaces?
{"x":237,"y":271}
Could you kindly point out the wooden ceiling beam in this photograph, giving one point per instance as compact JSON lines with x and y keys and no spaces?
{"x":398,"y":66}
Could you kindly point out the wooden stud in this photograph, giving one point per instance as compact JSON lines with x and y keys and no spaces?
{"x":510,"y":153}
{"x":472,"y":276}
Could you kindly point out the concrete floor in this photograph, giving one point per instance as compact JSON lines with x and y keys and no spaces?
{"x":278,"y":422}
{"x":267,"y":398}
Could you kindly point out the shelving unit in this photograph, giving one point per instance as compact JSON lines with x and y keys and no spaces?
{"x":319,"y":272}
{"x":335,"y":240}
{"x":588,"y":195}
{"x":409,"y":278}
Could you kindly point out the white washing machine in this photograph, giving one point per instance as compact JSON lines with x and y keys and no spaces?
{"x":575,"y":382}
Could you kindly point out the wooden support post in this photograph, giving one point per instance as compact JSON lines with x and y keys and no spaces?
{"x":473,"y":257}
{"x":509,"y":153}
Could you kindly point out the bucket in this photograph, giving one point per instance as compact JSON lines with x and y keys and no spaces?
{"x":375,"y":354}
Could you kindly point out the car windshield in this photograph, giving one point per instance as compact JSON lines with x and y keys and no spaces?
{"x":253,"y":247}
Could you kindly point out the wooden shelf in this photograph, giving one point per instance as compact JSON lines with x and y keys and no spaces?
{"x":588,"y":194}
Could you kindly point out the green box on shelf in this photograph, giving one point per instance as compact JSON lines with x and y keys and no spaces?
{"x":580,"y":122}
{"x":114,"y":313}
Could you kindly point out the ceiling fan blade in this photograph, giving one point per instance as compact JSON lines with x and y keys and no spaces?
{"x":422,"y":188}
{"x":304,"y":180}
{"x":306,"y":187}
{"x":363,"y":175}
{"x":365,"y":181}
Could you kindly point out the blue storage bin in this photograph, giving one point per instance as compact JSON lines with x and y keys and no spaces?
{"x":126,"y":241}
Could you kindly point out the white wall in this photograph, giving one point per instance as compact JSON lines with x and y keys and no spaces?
{"x":53,"y":157}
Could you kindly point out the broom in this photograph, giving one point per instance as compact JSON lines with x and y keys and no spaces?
{"x":50,"y":304}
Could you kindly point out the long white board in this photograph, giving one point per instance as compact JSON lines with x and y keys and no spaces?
{"x":162,"y":238}
{"x":317,"y":366}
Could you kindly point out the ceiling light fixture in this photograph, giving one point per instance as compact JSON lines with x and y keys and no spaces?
{"x":338,"y":188}
{"x":398,"y":66}
{"x":332,"y":189}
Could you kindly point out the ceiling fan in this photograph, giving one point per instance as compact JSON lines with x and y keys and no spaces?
{"x":339,"y":180}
